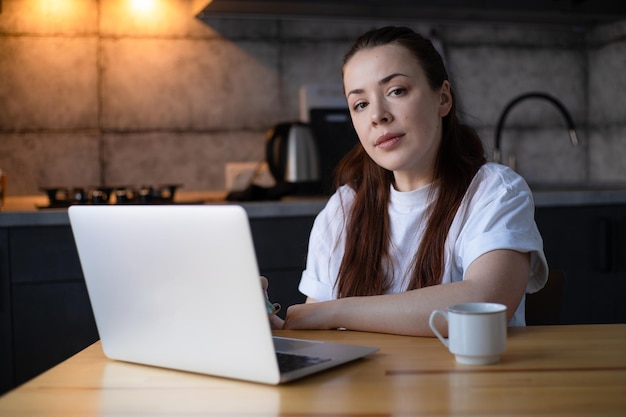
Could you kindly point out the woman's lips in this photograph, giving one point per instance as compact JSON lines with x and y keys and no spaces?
{"x":388,"y":140}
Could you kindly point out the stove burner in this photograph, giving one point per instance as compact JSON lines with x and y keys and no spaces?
{"x":63,"y":197}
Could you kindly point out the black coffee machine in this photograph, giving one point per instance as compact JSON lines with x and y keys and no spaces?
{"x":335,"y":136}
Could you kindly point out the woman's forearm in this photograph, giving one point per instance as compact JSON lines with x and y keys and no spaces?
{"x":404,"y":313}
{"x":498,"y":276}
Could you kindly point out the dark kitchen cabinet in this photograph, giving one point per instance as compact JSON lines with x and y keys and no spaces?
{"x":50,"y":311}
{"x":281,"y":246}
{"x":7,"y":378}
{"x":589,"y":244}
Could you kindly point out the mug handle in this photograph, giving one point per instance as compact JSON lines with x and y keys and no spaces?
{"x":431,"y":323}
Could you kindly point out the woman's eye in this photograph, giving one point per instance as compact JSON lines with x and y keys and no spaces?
{"x":359,"y":106}
{"x":397,"y":91}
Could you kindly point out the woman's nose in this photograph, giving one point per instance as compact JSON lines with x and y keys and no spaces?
{"x":381,"y":115}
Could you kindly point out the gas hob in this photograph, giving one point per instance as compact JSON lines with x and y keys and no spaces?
{"x":63,"y":197}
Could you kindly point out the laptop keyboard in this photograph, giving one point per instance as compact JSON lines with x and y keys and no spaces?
{"x":289,"y":362}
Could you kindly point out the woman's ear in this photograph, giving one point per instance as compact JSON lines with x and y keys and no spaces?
{"x":445,"y":99}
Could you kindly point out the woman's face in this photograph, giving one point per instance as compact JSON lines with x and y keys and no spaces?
{"x":395,"y":112}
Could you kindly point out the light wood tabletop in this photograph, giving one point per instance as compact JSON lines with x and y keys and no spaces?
{"x":553,"y":370}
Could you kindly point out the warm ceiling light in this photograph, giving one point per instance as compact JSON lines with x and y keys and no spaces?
{"x":143,"y":6}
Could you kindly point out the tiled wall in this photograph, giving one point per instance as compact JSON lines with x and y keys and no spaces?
{"x":97,"y":92}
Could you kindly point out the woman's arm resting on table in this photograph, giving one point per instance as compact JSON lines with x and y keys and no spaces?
{"x":498,"y":276}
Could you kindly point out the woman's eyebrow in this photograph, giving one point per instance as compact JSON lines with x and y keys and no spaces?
{"x":391,"y":77}
{"x":383,"y":81}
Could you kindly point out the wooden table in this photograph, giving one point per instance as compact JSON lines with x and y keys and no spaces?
{"x":553,"y":370}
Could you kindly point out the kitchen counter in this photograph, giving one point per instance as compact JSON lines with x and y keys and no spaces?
{"x":564,"y":196}
{"x":23,"y":211}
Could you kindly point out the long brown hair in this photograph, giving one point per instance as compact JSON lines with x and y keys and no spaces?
{"x":366,"y":265}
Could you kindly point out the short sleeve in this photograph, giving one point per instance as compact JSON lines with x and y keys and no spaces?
{"x":326,"y":248}
{"x":500,"y":215}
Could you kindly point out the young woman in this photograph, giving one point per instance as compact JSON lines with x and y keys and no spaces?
{"x":419,"y":220}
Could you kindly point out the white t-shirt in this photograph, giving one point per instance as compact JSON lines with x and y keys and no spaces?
{"x":497,"y":212}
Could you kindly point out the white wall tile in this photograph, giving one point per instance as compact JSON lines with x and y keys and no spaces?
{"x":194,"y":160}
{"x":188,"y":84}
{"x":154,"y":18}
{"x":607,"y":84}
{"x":48,"y":83}
{"x":33,"y":160}
{"x":487,"y":78}
{"x":608,"y":154}
{"x":48,"y":17}
{"x":546,"y":156}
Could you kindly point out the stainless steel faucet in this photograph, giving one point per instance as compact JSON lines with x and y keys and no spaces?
{"x":497,"y":152}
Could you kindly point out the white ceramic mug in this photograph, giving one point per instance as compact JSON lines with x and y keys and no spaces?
{"x":476,"y":332}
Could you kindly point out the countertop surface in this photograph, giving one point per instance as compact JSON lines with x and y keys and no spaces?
{"x":24,"y":211}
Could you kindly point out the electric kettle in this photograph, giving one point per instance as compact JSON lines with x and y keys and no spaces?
{"x":292,"y":157}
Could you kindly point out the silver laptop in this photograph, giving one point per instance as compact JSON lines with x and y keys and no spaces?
{"x":178,"y":286}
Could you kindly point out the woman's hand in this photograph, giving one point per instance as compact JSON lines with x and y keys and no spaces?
{"x":311,"y":315}
{"x":276,"y":323}
{"x":265,"y":284}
